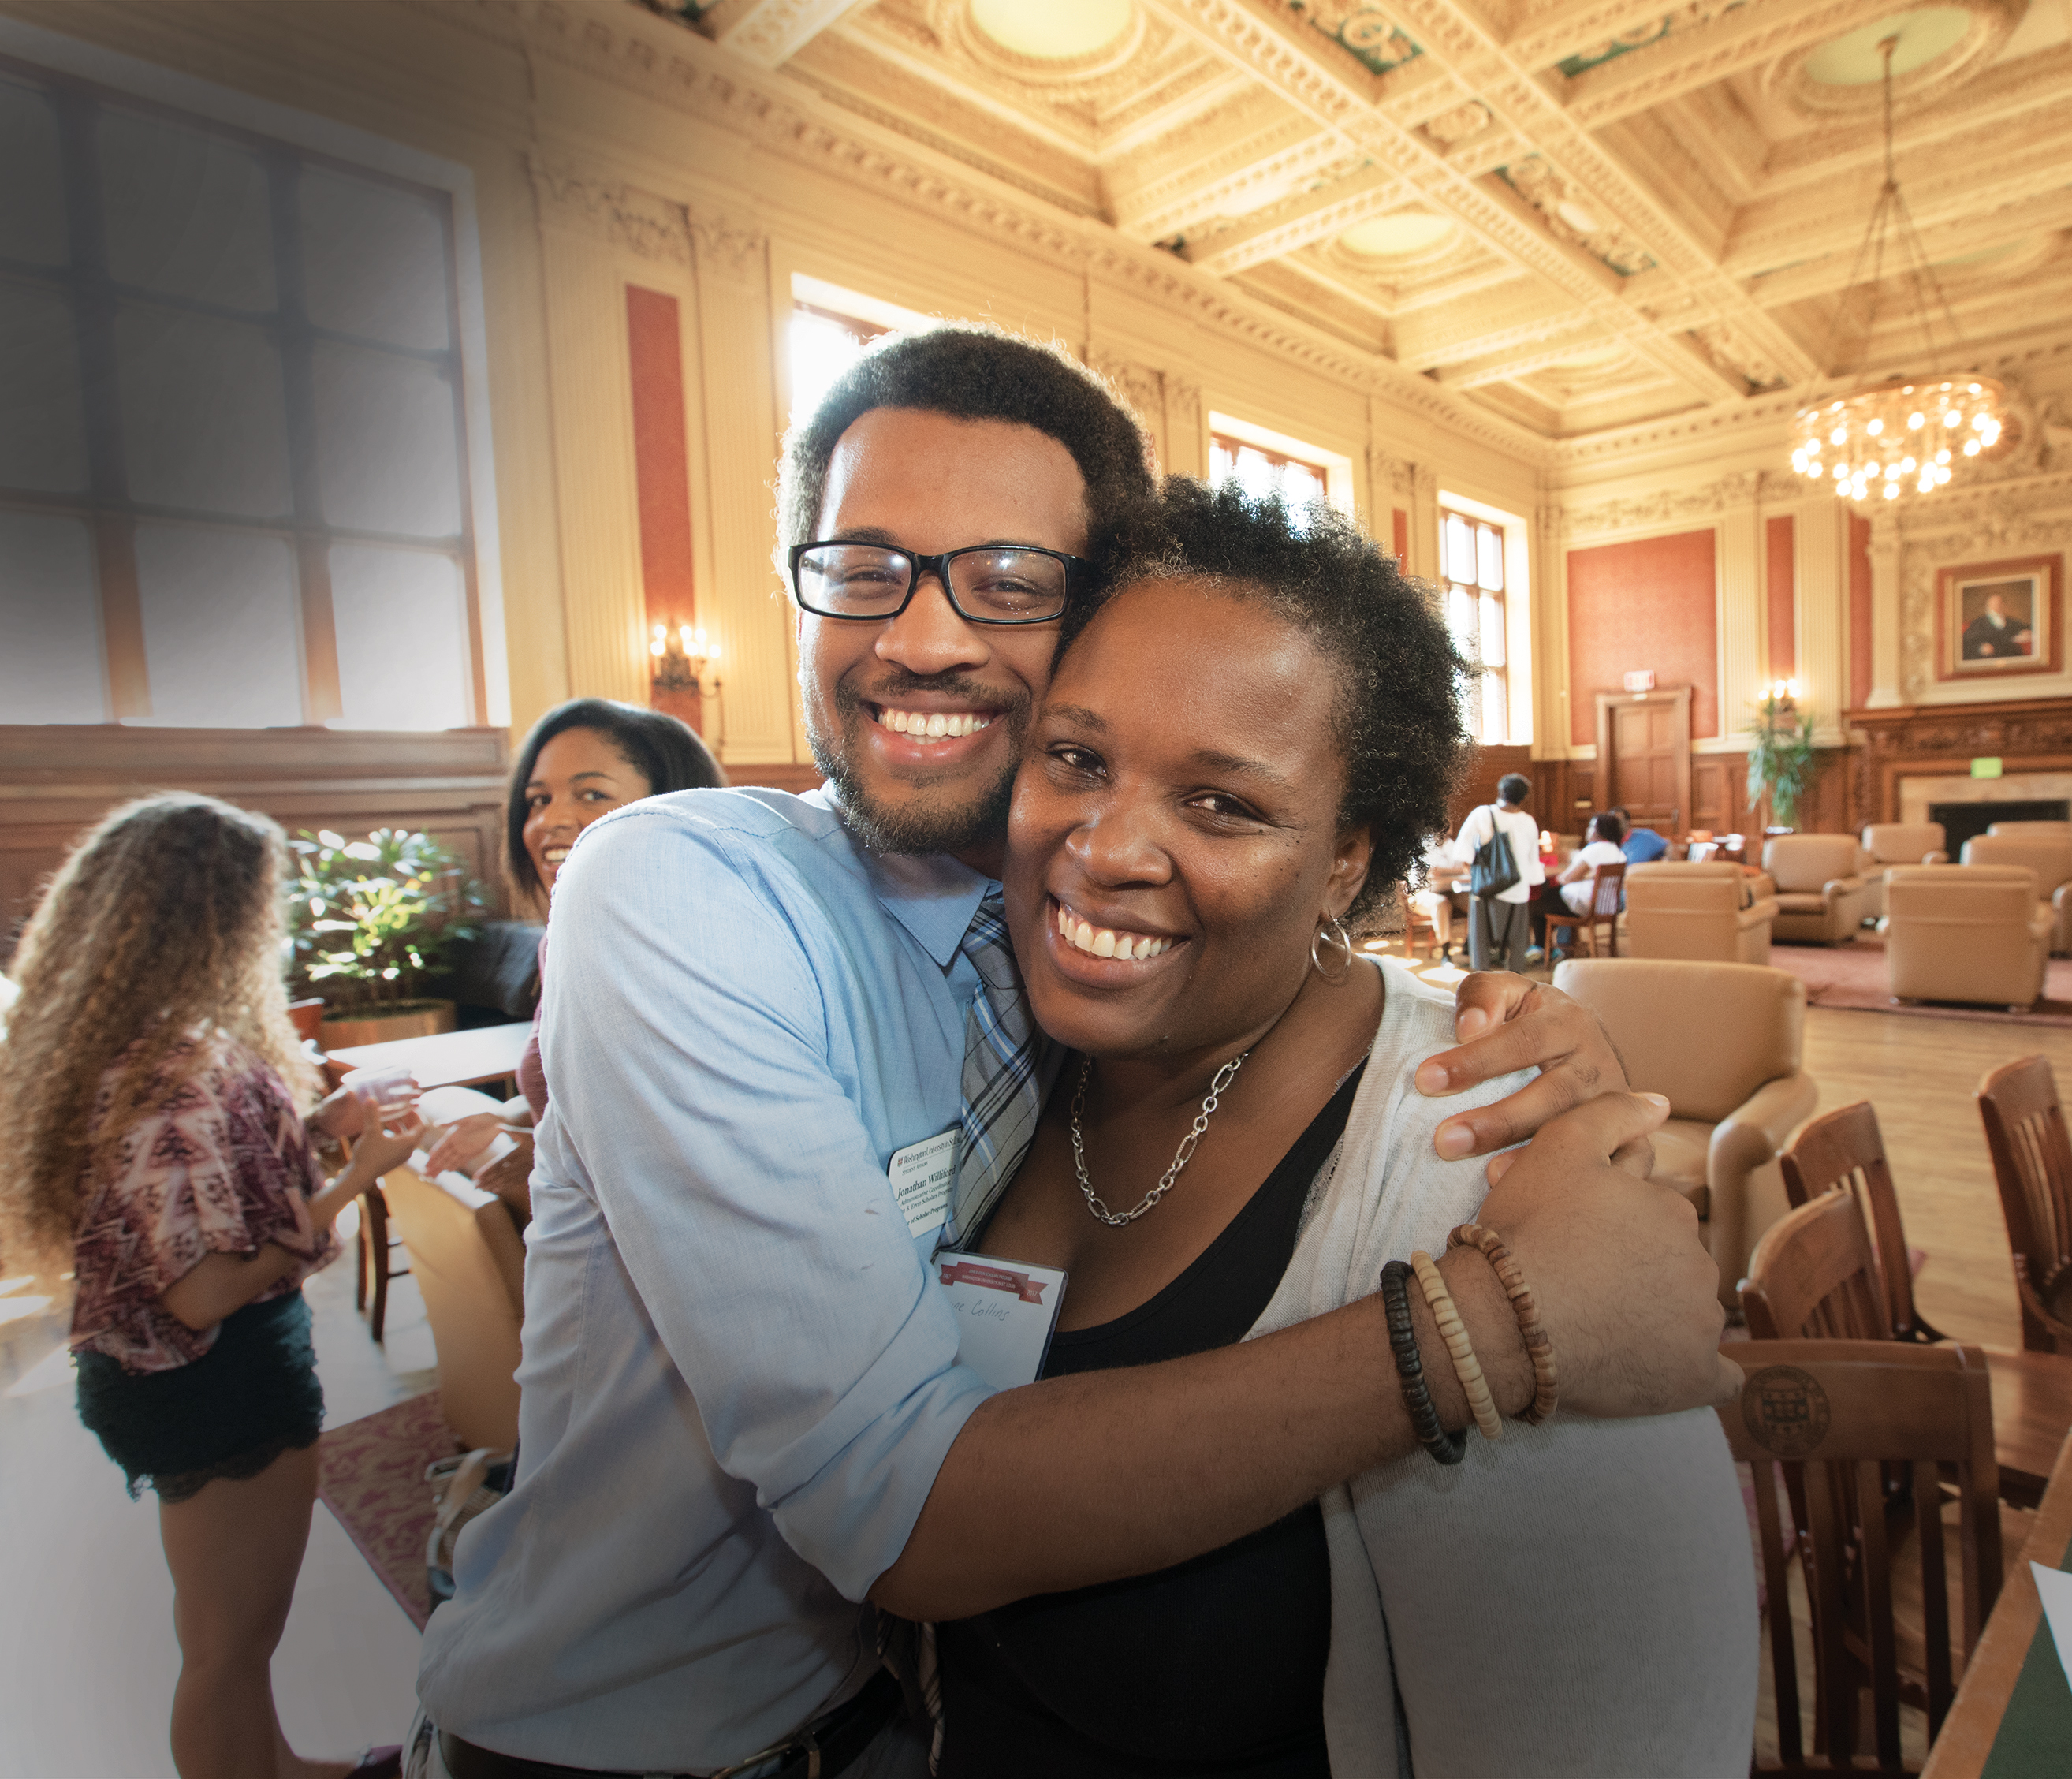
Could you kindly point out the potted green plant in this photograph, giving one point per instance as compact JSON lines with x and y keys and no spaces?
{"x":367,"y":921}
{"x":1780,"y":758}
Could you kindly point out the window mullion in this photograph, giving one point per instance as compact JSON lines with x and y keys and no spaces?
{"x":322,"y":701}
{"x":93,"y":309}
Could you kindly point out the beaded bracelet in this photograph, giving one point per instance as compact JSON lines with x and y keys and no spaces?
{"x":1539,"y":1348}
{"x":1454,"y":1333}
{"x":1431,"y":1431}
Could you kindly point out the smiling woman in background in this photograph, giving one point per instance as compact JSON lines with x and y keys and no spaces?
{"x":582,"y":759}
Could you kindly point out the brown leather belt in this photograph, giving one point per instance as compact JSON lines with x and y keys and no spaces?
{"x":820,"y":1751}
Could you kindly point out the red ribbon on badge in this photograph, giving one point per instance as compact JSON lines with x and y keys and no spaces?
{"x":994,"y":1279}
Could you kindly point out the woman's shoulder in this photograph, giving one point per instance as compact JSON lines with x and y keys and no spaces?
{"x":1393,"y":1120}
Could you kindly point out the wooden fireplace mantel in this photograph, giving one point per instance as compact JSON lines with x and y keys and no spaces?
{"x":1931,"y":741}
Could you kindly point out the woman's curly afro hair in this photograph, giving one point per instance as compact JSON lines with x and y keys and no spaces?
{"x":1397,"y":708}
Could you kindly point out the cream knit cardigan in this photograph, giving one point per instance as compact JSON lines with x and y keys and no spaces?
{"x":1577,"y":1598}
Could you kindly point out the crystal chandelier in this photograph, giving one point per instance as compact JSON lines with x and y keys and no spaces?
{"x":1897,"y":436}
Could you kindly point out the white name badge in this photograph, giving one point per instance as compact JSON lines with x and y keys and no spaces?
{"x":923,"y":1175}
{"x":1006,"y":1313}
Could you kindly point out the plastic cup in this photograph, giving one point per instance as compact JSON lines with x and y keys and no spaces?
{"x":383,"y":1091}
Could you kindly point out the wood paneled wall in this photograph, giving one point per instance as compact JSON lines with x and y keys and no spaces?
{"x":57,"y":780}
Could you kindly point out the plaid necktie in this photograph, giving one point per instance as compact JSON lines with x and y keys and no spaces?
{"x":1004,"y":1074}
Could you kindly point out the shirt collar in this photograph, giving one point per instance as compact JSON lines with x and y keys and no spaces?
{"x":931,"y":895}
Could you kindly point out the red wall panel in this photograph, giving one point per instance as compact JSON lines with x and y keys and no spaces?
{"x":1783,"y":599}
{"x":1402,"y":534}
{"x":661,"y":471}
{"x":1648,"y":603}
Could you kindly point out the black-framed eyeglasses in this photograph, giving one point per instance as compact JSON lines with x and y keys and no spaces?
{"x":987,"y":583}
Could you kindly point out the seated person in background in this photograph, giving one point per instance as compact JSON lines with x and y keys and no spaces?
{"x":582,"y":759}
{"x":1573,"y":886}
{"x":1641,"y":846}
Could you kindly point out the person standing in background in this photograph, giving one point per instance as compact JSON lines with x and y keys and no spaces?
{"x":1500,"y":927}
{"x":151,"y":1096}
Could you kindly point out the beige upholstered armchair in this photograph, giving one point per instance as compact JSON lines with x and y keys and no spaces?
{"x":2021,"y":828}
{"x":1820,"y":887}
{"x":1889,"y":843}
{"x":1966,"y":933}
{"x":2048,"y":854}
{"x":1722,"y":1041}
{"x":1708,"y":912}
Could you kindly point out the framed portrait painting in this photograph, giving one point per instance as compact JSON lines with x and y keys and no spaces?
{"x":1996,"y":620}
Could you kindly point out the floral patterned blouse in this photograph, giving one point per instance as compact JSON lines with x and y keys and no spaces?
{"x":224,"y":1167}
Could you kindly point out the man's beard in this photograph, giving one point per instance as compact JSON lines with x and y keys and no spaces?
{"x":921,"y":825}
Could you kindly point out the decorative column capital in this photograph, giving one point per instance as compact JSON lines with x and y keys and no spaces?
{"x":587,"y":202}
{"x":728,"y":249}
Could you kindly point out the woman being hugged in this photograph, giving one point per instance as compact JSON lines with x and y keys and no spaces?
{"x":151,"y":1090}
{"x":1240,"y":752}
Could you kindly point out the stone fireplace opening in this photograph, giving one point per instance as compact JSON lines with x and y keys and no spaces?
{"x":1966,"y":821}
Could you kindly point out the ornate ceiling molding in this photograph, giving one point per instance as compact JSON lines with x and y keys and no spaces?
{"x":1665,"y":507}
{"x":770,"y":32}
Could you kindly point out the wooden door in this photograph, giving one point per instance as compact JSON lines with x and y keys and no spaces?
{"x":1644,"y":756}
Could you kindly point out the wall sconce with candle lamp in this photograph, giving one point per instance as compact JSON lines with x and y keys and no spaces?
{"x":686,"y":660}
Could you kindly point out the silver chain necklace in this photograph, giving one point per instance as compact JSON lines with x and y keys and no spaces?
{"x":1185,"y":1153}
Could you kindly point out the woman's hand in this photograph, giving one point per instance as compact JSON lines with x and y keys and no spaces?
{"x":1507,"y":1022}
{"x":383,"y":1148}
{"x":1625,"y":1287}
{"x":462,"y":1140}
{"x":341,"y":1113}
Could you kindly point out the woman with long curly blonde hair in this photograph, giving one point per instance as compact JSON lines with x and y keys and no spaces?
{"x":151,"y":1098}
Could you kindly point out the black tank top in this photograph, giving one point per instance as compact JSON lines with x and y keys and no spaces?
{"x":1214,"y":1666}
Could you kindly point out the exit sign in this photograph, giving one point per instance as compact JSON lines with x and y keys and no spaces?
{"x":1643,"y":681}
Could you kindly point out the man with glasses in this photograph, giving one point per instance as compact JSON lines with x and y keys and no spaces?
{"x":742,"y":1415}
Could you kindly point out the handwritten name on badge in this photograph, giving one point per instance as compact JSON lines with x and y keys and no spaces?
{"x":923,"y":1175}
{"x":1006,"y":1313}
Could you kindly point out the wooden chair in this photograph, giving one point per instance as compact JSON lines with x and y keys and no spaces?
{"x":1607,"y":892}
{"x":2032,"y":1164}
{"x":373,"y":1246}
{"x":1836,"y":1268}
{"x":1834,"y":1419}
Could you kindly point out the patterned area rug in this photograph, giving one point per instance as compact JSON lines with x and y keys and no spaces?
{"x":371,"y":1474}
{"x":1853,"y":976}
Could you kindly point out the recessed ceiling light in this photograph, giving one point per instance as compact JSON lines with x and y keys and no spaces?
{"x":1924,"y":33}
{"x":1055,"y":29}
{"x":1399,"y":236}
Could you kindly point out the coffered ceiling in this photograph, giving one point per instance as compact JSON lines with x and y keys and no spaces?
{"x":1582,"y":213}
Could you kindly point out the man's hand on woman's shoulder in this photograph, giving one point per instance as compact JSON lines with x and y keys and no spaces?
{"x":1507,"y":1022}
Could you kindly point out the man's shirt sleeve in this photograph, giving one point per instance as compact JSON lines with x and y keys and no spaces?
{"x":712,"y":1113}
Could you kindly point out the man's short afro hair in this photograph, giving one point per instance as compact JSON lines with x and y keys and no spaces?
{"x":1397,"y":707}
{"x":971,"y":371}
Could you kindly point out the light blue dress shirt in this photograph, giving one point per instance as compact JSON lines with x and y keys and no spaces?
{"x":739,"y":1383}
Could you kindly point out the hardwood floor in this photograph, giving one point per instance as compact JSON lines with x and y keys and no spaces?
{"x":1920,"y":1073}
